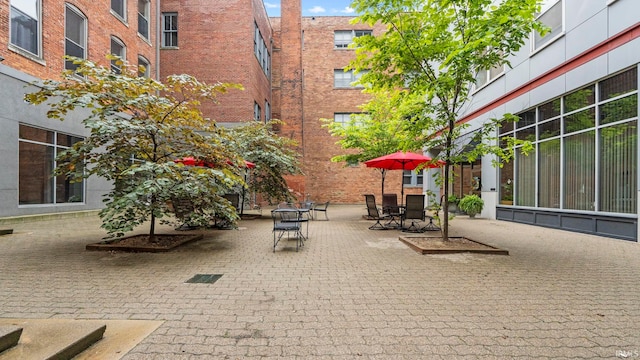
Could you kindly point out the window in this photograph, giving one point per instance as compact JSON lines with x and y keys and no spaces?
{"x":144,"y":67}
{"x":261,"y":51}
{"x":170,"y":30}
{"x":486,"y":76}
{"x":25,"y":25}
{"x":118,"y":49}
{"x":343,"y":38}
{"x":38,"y":149}
{"x":119,"y":7}
{"x":75,"y":32}
{"x":267,"y":111}
{"x":586,"y":149}
{"x":346,"y":79}
{"x":412,"y":178}
{"x":551,"y":16}
{"x":256,"y":111}
{"x":143,"y":18}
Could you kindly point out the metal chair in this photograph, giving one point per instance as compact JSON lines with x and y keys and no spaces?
{"x":322,"y":208}
{"x":374,"y":213}
{"x":390,"y":206}
{"x":287,"y":221}
{"x":414,"y":210}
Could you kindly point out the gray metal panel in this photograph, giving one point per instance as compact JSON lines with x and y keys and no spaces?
{"x":593,"y":70}
{"x":547,"y":219}
{"x":581,"y":12}
{"x":579,"y":223}
{"x":616,"y":227}
{"x":504,"y":214}
{"x":586,"y":35}
{"x":624,"y":56}
{"x":548,"y":91}
{"x":528,"y":217}
{"x":548,"y":58}
{"x":622,"y":14}
{"x":517,"y":76}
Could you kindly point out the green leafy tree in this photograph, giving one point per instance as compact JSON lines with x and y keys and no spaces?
{"x":382,"y":128}
{"x":275,"y":157}
{"x":435,"y":48}
{"x":137,"y":128}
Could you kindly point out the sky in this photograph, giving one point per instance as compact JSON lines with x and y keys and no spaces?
{"x":314,"y":7}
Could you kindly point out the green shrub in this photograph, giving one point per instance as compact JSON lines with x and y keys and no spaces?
{"x":471,"y":204}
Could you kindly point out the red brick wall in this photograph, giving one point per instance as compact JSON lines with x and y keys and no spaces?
{"x":215,"y":44}
{"x":326,"y":180}
{"x":101,"y":25}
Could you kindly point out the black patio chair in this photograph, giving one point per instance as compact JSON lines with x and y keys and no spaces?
{"x":322,"y":207}
{"x":390,"y":206}
{"x":414,"y":211}
{"x":287,"y":221}
{"x":375,"y":214}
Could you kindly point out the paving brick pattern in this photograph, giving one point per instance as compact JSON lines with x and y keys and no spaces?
{"x":349,"y":293}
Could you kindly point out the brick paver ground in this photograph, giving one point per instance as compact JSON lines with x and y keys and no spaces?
{"x":350,"y":293}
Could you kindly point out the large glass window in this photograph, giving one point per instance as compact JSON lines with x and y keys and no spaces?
{"x":75,"y":36}
{"x":38,"y":149}
{"x":586,"y":149}
{"x":25,"y":25}
{"x":552,"y":17}
{"x":170,"y":29}
{"x":143,"y":18}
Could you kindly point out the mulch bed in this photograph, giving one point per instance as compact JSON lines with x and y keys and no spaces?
{"x":435,"y":245}
{"x":141,"y":243}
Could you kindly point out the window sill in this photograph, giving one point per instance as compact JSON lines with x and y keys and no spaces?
{"x":545,"y":45}
{"x":170,"y":48}
{"x":27,"y":54}
{"x":117,"y":16}
{"x":487,"y":83}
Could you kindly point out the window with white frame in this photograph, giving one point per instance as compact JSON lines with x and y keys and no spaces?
{"x":118,"y":49}
{"x":75,"y":36}
{"x":25,"y":28}
{"x":170,"y":29}
{"x":257,"y":112}
{"x":552,"y":16}
{"x":343,"y":38}
{"x":119,"y":7}
{"x":412,"y":178}
{"x":143,"y":67}
{"x":38,"y":151}
{"x":143,"y":18}
{"x":346,"y":79}
{"x":484,"y":76}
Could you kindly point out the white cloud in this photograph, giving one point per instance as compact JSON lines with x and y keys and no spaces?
{"x":317,"y":10}
{"x":347,"y":10}
{"x":271,"y":6}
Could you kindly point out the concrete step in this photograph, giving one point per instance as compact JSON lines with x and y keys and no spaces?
{"x":54,"y":339}
{"x":9,"y":336}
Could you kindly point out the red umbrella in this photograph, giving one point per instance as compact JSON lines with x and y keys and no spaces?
{"x":401,"y":161}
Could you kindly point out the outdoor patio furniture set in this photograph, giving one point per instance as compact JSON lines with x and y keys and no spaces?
{"x":396,"y":216}
{"x":290,"y":219}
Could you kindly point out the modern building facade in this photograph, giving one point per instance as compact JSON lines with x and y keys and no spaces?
{"x":576,"y":93}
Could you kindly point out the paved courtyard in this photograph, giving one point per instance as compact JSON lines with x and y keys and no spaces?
{"x":350,"y":293}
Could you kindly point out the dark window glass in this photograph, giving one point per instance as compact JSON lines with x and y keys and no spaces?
{"x":579,"y":99}
{"x":526,"y":118}
{"x":619,"y":84}
{"x":549,"y":110}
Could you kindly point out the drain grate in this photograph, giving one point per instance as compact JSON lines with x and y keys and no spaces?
{"x":204,"y":278}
